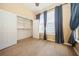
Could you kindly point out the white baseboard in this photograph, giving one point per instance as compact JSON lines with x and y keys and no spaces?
{"x":67,"y":44}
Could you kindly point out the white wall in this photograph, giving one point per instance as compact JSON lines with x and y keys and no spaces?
{"x":36,"y":29}
{"x":8,"y":29}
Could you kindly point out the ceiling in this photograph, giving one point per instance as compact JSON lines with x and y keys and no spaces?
{"x":41,"y":6}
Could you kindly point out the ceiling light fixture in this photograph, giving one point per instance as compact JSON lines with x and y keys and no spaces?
{"x":37,"y":4}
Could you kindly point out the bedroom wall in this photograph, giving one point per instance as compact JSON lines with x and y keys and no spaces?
{"x":66,"y":22}
{"x":22,"y":10}
{"x":18,"y":9}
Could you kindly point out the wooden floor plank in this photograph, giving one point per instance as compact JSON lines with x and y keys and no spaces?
{"x":35,"y":47}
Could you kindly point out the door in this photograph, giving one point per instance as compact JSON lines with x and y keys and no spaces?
{"x":36,"y":29}
{"x":8,"y":27}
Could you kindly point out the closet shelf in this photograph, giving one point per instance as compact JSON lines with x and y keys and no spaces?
{"x":23,"y":29}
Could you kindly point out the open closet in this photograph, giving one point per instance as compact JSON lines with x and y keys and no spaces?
{"x":24,"y":28}
{"x":13,"y":28}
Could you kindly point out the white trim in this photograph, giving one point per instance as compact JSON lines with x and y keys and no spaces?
{"x":67,"y":44}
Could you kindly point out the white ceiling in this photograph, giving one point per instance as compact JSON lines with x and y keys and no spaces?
{"x":41,"y":6}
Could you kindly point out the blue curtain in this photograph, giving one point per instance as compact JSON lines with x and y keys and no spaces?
{"x":45,"y":20}
{"x":74,"y":22}
{"x":74,"y":16}
{"x":58,"y":25}
{"x":38,"y":16}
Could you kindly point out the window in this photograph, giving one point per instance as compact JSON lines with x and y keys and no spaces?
{"x":76,"y":35}
{"x":41,"y":24}
{"x":50,"y":29}
{"x":50,"y":25}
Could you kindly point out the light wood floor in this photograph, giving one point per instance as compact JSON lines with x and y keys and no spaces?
{"x":35,"y":47}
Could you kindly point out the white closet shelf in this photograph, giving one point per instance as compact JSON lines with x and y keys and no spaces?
{"x":23,"y":29}
{"x":20,"y":22}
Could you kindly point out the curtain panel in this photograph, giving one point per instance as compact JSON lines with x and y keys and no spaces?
{"x":74,"y":22}
{"x":58,"y":25}
{"x":45,"y":21}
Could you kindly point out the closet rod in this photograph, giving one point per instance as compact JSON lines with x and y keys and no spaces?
{"x":24,"y":18}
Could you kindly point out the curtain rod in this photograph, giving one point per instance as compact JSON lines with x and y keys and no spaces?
{"x":52,"y":8}
{"x":56,"y":6}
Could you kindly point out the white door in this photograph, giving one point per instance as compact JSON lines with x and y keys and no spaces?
{"x":8,"y":29}
{"x":36,"y":29}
